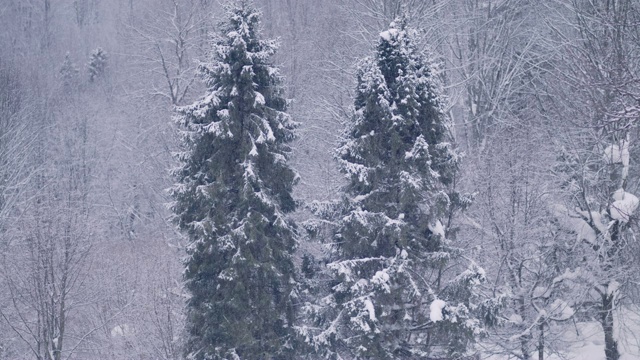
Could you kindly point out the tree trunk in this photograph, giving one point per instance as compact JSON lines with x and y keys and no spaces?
{"x":541,"y":343}
{"x":524,"y":339}
{"x":610,"y":343}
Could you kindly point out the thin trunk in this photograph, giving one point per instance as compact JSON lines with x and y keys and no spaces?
{"x":608,"y":298}
{"x":525,"y":339}
{"x":606,"y":319}
{"x":541,"y":343}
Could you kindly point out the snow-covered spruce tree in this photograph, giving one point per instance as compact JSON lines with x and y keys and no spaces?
{"x":391,"y":296}
{"x":68,"y":73}
{"x":233,"y":193}
{"x":97,"y":63}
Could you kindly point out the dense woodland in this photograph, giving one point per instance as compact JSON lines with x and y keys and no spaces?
{"x":319,"y":179}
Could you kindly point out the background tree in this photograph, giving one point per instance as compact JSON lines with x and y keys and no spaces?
{"x":123,"y":212}
{"x":598,"y":107}
{"x":166,"y":53}
{"x":97,"y":64}
{"x":500,"y":65}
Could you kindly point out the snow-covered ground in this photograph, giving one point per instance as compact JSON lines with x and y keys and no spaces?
{"x":585,"y":340}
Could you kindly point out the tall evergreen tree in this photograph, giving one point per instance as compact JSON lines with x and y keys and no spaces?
{"x":97,"y":64}
{"x":68,"y":73}
{"x":233,"y":193}
{"x":390,"y":291}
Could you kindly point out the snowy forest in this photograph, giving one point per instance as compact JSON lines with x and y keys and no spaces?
{"x":319,"y":179}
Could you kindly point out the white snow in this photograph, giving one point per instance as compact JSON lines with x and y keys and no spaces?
{"x":346,"y":267}
{"x":585,"y":340}
{"x":515,"y":319}
{"x":370,"y":309}
{"x":381,"y":278}
{"x":542,"y":292}
{"x":120,"y":330}
{"x":394,"y":222}
{"x":359,"y":215}
{"x":617,"y":154}
{"x":560,"y":310}
{"x":624,"y":206}
{"x":410,"y":181}
{"x":259,"y":99}
{"x":567,"y":275}
{"x":612,"y":154}
{"x":267,"y":127}
{"x":437,"y":229}
{"x":248,"y":171}
{"x":613,"y":287}
{"x":351,"y":169}
{"x":254,"y":150}
{"x":436,"y":310}
{"x":575,"y":223}
{"x":389,"y":34}
{"x":596,"y":218}
{"x":419,"y":149}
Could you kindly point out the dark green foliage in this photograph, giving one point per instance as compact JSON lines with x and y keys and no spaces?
{"x":308,"y":266}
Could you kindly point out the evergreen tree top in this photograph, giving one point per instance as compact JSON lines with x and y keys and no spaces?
{"x":239,"y":39}
{"x":399,"y":120}
{"x":406,"y":71}
{"x":240,"y":60}
{"x":243,"y":109}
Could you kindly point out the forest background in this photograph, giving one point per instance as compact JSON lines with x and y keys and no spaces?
{"x":543,"y":96}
